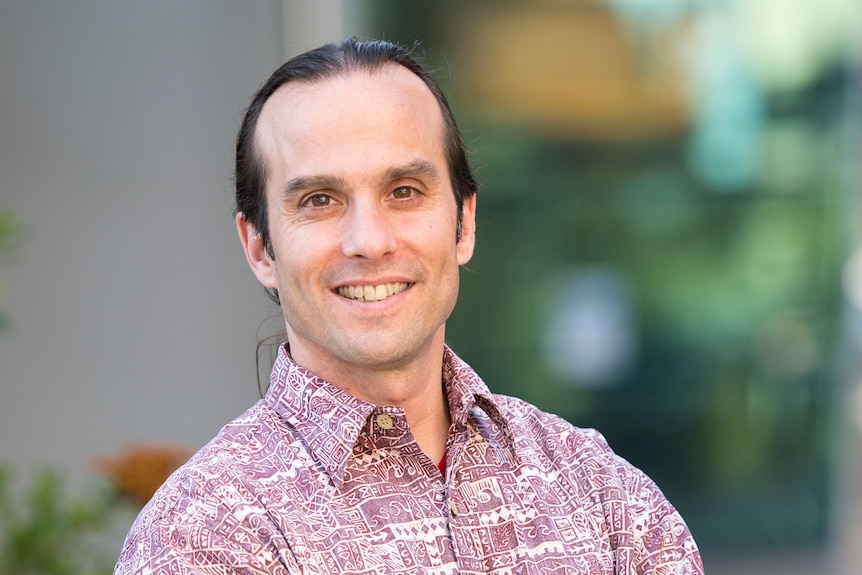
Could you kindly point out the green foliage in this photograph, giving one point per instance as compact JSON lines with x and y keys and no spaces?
{"x":8,"y":229}
{"x":9,"y":233}
{"x":47,"y":532}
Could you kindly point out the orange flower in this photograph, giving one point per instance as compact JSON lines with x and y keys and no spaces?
{"x":141,"y":468}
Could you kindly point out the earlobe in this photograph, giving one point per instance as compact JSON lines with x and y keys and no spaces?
{"x":468,"y":230}
{"x":255,"y":252}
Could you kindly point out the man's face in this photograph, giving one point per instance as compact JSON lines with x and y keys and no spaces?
{"x":362,"y":220}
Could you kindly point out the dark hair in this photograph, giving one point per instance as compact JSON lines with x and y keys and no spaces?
{"x":330,"y":60}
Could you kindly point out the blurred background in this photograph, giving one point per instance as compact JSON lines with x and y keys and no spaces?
{"x":668,"y":240}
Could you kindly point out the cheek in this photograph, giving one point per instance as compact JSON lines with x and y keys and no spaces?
{"x":304,"y":254}
{"x":436,"y":240}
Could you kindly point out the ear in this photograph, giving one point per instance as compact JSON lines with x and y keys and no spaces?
{"x":255,"y":252}
{"x":468,"y":230}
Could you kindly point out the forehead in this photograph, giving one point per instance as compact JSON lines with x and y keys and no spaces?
{"x":389,"y":110}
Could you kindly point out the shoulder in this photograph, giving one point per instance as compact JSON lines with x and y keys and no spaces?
{"x":555,"y":436}
{"x":647,"y":528}
{"x":583,"y":456}
{"x":219,"y":481}
{"x":213,"y":503}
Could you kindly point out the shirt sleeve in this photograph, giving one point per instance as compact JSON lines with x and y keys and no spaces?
{"x":196,"y":550}
{"x":657,"y":537}
{"x":667,"y":545}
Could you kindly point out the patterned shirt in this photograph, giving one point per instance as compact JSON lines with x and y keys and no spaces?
{"x":312,"y":480}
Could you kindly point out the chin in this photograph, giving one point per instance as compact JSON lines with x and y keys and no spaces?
{"x":376,"y":352}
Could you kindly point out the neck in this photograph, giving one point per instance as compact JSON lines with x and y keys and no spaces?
{"x":415,"y":386}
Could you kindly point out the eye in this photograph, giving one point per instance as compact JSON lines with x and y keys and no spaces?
{"x":403,"y":192}
{"x":318,"y":200}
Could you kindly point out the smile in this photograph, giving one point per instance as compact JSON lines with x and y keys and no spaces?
{"x":372,"y":293}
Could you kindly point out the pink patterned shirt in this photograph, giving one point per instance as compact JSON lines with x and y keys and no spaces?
{"x":312,"y":480}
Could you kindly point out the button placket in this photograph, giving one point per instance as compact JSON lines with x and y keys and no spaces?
{"x":384,"y":421}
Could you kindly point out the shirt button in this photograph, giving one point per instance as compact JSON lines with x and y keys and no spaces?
{"x":384,"y":421}
{"x":453,"y":509}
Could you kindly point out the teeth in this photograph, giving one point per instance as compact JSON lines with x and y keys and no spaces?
{"x":372,"y":293}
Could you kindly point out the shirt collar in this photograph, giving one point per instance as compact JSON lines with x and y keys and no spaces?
{"x":329,"y":420}
{"x":466,"y":390}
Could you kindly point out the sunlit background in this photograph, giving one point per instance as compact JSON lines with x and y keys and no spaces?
{"x":668,"y":240}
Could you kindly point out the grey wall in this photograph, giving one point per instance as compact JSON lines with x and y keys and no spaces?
{"x":134,"y":314}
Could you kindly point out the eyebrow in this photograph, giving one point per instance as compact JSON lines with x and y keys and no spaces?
{"x":420,"y":169}
{"x":302,"y":183}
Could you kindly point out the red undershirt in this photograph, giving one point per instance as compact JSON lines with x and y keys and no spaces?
{"x":442,"y":465}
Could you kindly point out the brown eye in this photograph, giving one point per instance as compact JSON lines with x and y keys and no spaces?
{"x":319,"y":200}
{"x":403,"y":193}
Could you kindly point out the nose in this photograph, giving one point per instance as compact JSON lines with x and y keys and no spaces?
{"x":368,"y":232}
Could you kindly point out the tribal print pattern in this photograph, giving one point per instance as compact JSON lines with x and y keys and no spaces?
{"x":312,"y":480}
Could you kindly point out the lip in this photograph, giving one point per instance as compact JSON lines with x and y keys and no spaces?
{"x":371,"y":281}
{"x":341,"y":286}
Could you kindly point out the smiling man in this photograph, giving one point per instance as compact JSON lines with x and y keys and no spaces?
{"x":376,"y":449}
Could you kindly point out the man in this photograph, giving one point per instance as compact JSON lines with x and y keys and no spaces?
{"x":375,"y":448}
